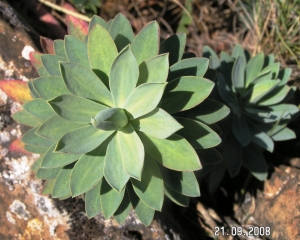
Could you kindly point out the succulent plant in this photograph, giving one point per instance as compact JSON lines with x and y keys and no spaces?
{"x":255,"y":89}
{"x":101,"y":119}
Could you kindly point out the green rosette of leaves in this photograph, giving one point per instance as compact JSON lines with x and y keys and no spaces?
{"x":101,"y":120}
{"x":255,"y":89}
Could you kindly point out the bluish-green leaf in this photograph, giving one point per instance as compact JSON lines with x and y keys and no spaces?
{"x":35,"y":149}
{"x":261,"y":138}
{"x":157,"y":123}
{"x":121,"y":31}
{"x":144,"y":213}
{"x":238,"y":51}
{"x":189,"y":67}
{"x":110,"y":119}
{"x":255,"y":162}
{"x":47,"y":173}
{"x":31,"y":138}
{"x":88,"y":170}
{"x":36,"y":165}
{"x":132,"y":151}
{"x":209,"y":156}
{"x":227,"y":63}
{"x":72,"y":142}
{"x":240,"y":130}
{"x":174,"y":45}
{"x":173,"y":152}
{"x":97,"y":20}
{"x":149,"y":73}
{"x":209,"y":53}
{"x":273,"y":68}
{"x":39,"y":108}
{"x":61,"y":186}
{"x":83,"y":82}
{"x":114,"y":171}
{"x":198,"y":134}
{"x":75,"y":108}
{"x":48,"y":186}
{"x":102,"y":52}
{"x":253,"y":68}
{"x":59,"y":48}
{"x":49,"y":87}
{"x":51,"y":63}
{"x":150,"y":188}
{"x":185,"y":93}
{"x":76,"y":51}
{"x":144,"y":99}
{"x":55,"y":127}
{"x":110,"y":199}
{"x":238,"y":74}
{"x":176,"y":197}
{"x":123,"y":76}
{"x":284,"y":75}
{"x":122,"y":212}
{"x":284,"y":134}
{"x":182,"y":182}
{"x":92,"y":201}
{"x":53,"y":159}
{"x":275,"y":96}
{"x":26,"y":118}
{"x":146,"y":43}
{"x":33,"y":91}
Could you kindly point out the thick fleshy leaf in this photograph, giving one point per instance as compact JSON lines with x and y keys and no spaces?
{"x":75,"y":108}
{"x":49,"y":87}
{"x":51,"y":64}
{"x":273,"y":68}
{"x":88,"y":171}
{"x":209,"y":156}
{"x":110,"y":119}
{"x":17,"y":146}
{"x":209,"y":53}
{"x":76,"y":27}
{"x":176,"y":197}
{"x":185,"y":93}
{"x":36,"y":61}
{"x":48,"y":186}
{"x":39,"y":108}
{"x":35,"y":149}
{"x":102,"y":52}
{"x":151,"y":188}
{"x":255,"y":162}
{"x":144,"y":213}
{"x":189,"y":67}
{"x":132,"y":151}
{"x":121,"y":31}
{"x":33,"y":92}
{"x":123,"y":76}
{"x":182,"y":182}
{"x":123,"y":210}
{"x":72,"y":142}
{"x":149,"y":73}
{"x":238,"y":51}
{"x":76,"y":51}
{"x":260,"y":90}
{"x":61,"y":186}
{"x":238,"y":74}
{"x":240,"y":130}
{"x":174,"y":45}
{"x":253,"y":68}
{"x":262,"y":77}
{"x":198,"y":134}
{"x":157,"y":123}
{"x":173,"y":152}
{"x":46,"y":173}
{"x":36,"y":165}
{"x":53,"y":159}
{"x":31,"y":138}
{"x":144,"y":99}
{"x":274,"y":97}
{"x":227,"y":63}
{"x":110,"y":199}
{"x":59,"y":48}
{"x":284,"y":75}
{"x":146,"y":43}
{"x":55,"y":127}
{"x":216,"y":175}
{"x":96,"y":20}
{"x":224,"y":90}
{"x":92,"y":201}
{"x":208,"y":112}
{"x":284,"y":134}
{"x":17,"y":90}
{"x":114,"y":171}
{"x":232,"y":154}
{"x":26,"y":118}
{"x":83,"y":82}
{"x":261,"y":138}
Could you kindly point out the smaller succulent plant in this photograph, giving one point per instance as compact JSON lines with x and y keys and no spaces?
{"x":257,"y":93}
{"x":105,"y":117}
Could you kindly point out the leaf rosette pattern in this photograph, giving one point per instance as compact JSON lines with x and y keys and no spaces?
{"x":257,"y":93}
{"x":103,"y":119}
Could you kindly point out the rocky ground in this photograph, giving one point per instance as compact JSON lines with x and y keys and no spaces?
{"x":28,"y":215}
